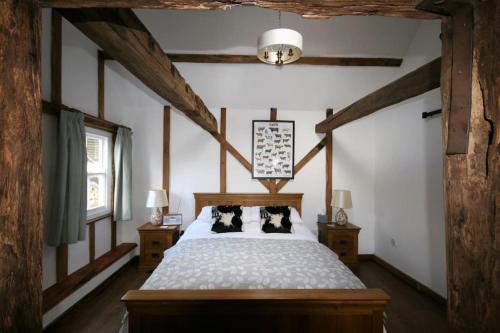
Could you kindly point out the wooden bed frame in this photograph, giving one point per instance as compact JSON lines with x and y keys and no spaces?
{"x":268,"y":310}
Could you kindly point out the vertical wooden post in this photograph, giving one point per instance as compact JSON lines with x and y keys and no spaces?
{"x":223,"y":153}
{"x":329,"y":170}
{"x":92,"y":241}
{"x":166,"y":153}
{"x":272,"y":182}
{"x":100,"y":84}
{"x":56,"y":94}
{"x":472,"y":180}
{"x":21,"y":225}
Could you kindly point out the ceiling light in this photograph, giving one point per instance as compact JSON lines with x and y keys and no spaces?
{"x":279,"y":46}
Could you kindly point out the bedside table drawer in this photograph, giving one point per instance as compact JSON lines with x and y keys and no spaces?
{"x":154,"y":241}
{"x":345,"y":255}
{"x":341,"y":242}
{"x":151,"y":255}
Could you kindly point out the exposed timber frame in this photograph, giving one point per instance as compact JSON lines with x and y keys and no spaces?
{"x":21,"y":202}
{"x":307,"y":8}
{"x":412,"y":84}
{"x":252,"y":59}
{"x":121,"y":34}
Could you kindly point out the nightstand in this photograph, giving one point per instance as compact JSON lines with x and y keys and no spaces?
{"x":154,"y":241}
{"x":343,"y":240}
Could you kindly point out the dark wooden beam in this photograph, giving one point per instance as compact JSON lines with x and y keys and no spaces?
{"x":412,"y":84}
{"x":166,"y":154}
{"x":236,"y":154}
{"x":91,"y":242}
{"x":100,"y":84}
{"x":252,"y":59}
{"x":21,"y":224}
{"x":302,"y":163}
{"x":56,"y":57}
{"x":223,"y":153}
{"x":91,"y":121}
{"x":307,"y":8}
{"x":461,"y":13}
{"x":58,"y":292}
{"x":472,"y":180}
{"x":328,"y":170}
{"x":121,"y":34}
{"x":272,"y":182}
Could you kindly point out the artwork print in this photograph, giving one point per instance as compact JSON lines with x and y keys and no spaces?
{"x":273,"y":149}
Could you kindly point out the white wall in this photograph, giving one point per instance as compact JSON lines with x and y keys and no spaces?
{"x":408,"y":183}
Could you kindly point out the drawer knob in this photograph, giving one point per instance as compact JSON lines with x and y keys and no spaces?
{"x":343,"y":254}
{"x":155,"y":255}
{"x":343,"y":242}
{"x":155,"y":243}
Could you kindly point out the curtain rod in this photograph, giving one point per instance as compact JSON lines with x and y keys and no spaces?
{"x":54,"y":108}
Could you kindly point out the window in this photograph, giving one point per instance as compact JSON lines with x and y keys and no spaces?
{"x":98,"y":172}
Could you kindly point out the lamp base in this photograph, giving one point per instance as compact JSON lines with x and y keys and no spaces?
{"x":341,"y":217}
{"x":156,"y":216}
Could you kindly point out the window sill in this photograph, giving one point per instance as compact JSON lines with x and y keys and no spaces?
{"x":99,"y":218}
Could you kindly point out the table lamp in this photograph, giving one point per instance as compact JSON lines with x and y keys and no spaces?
{"x":341,"y":199}
{"x":156,"y":200}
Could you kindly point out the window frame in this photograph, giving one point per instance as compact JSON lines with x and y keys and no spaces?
{"x":108,"y":208}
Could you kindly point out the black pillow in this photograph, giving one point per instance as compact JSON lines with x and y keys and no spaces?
{"x":236,"y":222}
{"x":266,"y":213}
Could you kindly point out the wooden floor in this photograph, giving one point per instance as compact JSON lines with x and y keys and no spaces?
{"x":408,"y":311}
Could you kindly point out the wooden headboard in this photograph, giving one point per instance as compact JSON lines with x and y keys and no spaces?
{"x":247,"y":199}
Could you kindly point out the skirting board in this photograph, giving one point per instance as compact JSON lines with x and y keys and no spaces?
{"x":404,"y":277}
{"x":58,"y":310}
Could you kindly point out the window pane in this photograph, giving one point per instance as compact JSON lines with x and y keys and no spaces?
{"x":96,"y":191}
{"x":96,"y":153}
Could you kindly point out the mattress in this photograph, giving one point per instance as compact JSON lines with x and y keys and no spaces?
{"x":250,"y":260}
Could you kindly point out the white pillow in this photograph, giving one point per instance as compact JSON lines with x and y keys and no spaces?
{"x":250,"y":214}
{"x":295,"y":216}
{"x":206,"y":214}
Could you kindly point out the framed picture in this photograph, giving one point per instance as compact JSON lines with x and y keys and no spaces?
{"x":273,"y":148}
{"x":172,"y":219}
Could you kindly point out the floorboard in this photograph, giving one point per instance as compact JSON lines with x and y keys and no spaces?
{"x":408,"y":312}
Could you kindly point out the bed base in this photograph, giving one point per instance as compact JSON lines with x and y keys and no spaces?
{"x":275,"y":310}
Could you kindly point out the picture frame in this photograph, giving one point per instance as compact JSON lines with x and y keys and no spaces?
{"x":273,"y":149}
{"x":172,"y":219}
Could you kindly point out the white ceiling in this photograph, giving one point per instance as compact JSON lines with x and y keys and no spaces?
{"x":235,"y":31}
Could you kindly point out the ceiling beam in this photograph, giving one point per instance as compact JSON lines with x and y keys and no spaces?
{"x":415,"y":83}
{"x":307,"y":8}
{"x":252,"y":59}
{"x":121,"y":34}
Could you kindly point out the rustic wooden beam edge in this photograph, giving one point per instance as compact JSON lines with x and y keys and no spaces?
{"x":59,"y":291}
{"x":122,"y":35}
{"x":233,"y":151}
{"x":297,"y":167}
{"x":415,"y":83}
{"x":462,"y":20}
{"x":223,"y":154}
{"x":252,"y":59}
{"x":166,"y":154}
{"x":306,"y":8}
{"x":272,"y":182}
{"x":91,"y":121}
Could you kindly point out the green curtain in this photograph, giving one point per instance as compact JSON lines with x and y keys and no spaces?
{"x":123,"y":175}
{"x":67,"y":214}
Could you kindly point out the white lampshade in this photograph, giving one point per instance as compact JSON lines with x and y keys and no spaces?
{"x":342,"y":199}
{"x":157,"y":198}
{"x":279,"y":46}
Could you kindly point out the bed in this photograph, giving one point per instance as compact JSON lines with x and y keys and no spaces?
{"x":252,"y":282}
